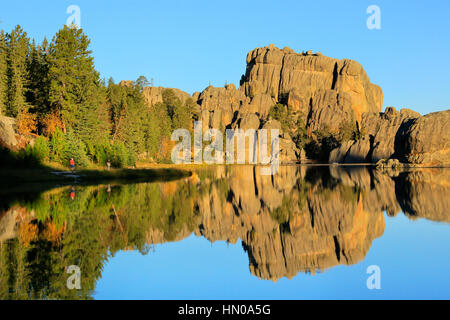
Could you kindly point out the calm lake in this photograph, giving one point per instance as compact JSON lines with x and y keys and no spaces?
{"x":228,"y":232}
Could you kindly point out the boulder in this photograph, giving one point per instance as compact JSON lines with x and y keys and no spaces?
{"x":7,"y":132}
{"x":427,"y":140}
{"x":385,"y":130}
{"x":359,"y":151}
{"x":338,"y":155}
{"x":249,"y":121}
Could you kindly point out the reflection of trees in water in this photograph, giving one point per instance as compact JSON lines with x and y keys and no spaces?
{"x":297,"y":221}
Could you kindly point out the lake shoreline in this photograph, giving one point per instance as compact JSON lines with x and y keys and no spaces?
{"x":11,"y":177}
{"x":144,"y":172}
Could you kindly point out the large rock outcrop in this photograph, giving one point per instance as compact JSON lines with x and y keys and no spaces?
{"x":385,"y":130}
{"x":427,"y":140}
{"x":220,"y":105}
{"x":283,"y":73}
{"x":406,"y":136}
{"x":328,"y":97}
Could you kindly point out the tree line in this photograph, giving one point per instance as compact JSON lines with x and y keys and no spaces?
{"x":67,"y":110}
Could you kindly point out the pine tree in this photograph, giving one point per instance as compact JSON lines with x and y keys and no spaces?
{"x":38,"y":86}
{"x":75,"y":92}
{"x":3,"y":70}
{"x":126,"y":105}
{"x":18,"y":48}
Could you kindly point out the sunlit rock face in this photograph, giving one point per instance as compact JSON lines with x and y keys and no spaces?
{"x":427,"y":140}
{"x":327,"y":97}
{"x":219,"y":105}
{"x":153,"y":95}
{"x":302,"y":77}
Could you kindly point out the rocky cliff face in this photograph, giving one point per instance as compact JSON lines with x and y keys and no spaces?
{"x":153,"y":95}
{"x":427,"y":140}
{"x":404,"y":135}
{"x":327,"y":95}
{"x":282,"y":73}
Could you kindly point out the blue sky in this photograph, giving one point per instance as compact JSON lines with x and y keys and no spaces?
{"x":189,"y":44}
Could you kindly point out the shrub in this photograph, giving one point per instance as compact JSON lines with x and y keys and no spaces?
{"x":283,"y":115}
{"x":41,"y":149}
{"x":131,"y":158}
{"x":27,"y":157}
{"x":102,"y":153}
{"x":58,"y":146}
{"x":120,"y":156}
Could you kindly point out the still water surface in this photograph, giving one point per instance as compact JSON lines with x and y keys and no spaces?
{"x":230,"y":233}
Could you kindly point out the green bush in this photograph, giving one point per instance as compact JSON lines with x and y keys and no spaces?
{"x":58,"y":146}
{"x":28,"y":158}
{"x":120,"y":156}
{"x":41,"y":149}
{"x":131,"y":159}
{"x":102,"y":152}
{"x":282,"y":114}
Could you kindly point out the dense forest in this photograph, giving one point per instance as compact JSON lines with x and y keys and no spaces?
{"x":65,"y":110}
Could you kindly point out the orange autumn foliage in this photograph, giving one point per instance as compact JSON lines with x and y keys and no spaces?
{"x":26,"y":123}
{"x":51,"y":122}
{"x":28,"y":233}
{"x":168,"y":188}
{"x":52,"y":233}
{"x":166,"y":148}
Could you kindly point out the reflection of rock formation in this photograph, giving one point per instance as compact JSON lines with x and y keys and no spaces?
{"x":299,"y":220}
{"x":295,"y":221}
{"x":289,"y":225}
{"x":425,"y":194}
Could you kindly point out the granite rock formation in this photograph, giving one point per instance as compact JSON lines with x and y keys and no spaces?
{"x":427,"y":140}
{"x":326,"y":95}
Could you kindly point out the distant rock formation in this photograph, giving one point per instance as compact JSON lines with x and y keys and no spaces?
{"x":404,"y":135}
{"x":427,"y":140}
{"x":153,"y":95}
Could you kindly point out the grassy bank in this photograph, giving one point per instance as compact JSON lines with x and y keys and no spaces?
{"x":11,"y":176}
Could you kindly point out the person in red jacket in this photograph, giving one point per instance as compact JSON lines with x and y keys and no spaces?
{"x":72,"y":164}
{"x":72,"y":193}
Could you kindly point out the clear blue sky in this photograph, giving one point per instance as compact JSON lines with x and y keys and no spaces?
{"x":188,"y":44}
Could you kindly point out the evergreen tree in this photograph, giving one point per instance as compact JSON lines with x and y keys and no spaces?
{"x":142,"y":82}
{"x":127,"y":105}
{"x":18,"y":48}
{"x":3,"y":70}
{"x":38,"y":86}
{"x":75,"y":92}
